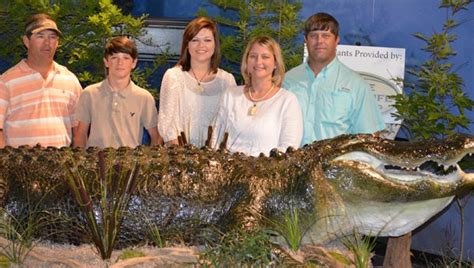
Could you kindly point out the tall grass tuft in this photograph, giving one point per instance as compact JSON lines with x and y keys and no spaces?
{"x":361,"y":247}
{"x":154,"y":233}
{"x":23,"y":225}
{"x":292,"y":227}
{"x":103,"y":209}
{"x":19,"y":232}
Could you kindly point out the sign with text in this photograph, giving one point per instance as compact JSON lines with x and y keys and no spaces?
{"x":383,"y":68}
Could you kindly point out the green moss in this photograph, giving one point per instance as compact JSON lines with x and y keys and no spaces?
{"x":4,"y":261}
{"x":131,"y":253}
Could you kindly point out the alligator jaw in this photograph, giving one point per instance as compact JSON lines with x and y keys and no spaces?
{"x":431,"y":182}
{"x":450,"y":172}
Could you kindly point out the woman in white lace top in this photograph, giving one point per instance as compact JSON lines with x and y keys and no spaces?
{"x":259,"y":115}
{"x":191,"y":90}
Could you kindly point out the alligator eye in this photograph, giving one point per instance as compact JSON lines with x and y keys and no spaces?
{"x":467,"y":162}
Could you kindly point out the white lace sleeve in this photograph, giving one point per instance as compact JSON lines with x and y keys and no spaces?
{"x":168,"y":116}
{"x":292,"y":125}
{"x":220,"y":121}
{"x":230,"y":81}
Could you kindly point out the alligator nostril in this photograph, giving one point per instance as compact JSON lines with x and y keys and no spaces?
{"x":467,"y":163}
{"x":392,"y":167}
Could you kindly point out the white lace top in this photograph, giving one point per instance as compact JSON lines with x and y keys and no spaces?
{"x":183,"y":108}
{"x":278,"y":123}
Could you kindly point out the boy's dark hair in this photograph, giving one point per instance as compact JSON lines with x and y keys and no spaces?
{"x":121,"y":44}
{"x":321,"y":22}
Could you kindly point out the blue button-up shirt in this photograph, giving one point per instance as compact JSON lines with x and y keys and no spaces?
{"x":336,"y":101}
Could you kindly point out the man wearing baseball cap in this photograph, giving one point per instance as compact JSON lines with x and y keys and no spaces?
{"x":38,"y":96}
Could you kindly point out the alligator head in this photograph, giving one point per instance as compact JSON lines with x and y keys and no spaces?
{"x":389,"y":188}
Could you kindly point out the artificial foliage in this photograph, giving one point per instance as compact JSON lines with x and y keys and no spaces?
{"x":114,"y":183}
{"x":243,"y":20}
{"x":435,"y":105}
{"x":86,"y":26}
{"x":240,"y":248}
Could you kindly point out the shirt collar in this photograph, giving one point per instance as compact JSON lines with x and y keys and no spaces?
{"x":324,"y":71}
{"x":27,"y":69}
{"x":107,"y":89}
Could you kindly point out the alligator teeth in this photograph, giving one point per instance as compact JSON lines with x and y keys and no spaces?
{"x":429,"y":168}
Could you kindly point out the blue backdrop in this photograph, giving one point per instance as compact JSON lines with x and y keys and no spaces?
{"x":386,"y":23}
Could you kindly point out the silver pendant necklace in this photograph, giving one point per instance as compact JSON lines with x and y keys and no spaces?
{"x":253,"y":110}
{"x":199,"y":88}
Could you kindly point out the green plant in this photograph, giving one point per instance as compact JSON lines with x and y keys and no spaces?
{"x":239,"y":247}
{"x":436,"y":105}
{"x":361,"y":247}
{"x":292,"y":227}
{"x":26,"y":224}
{"x":19,"y":232}
{"x":86,"y":26}
{"x":444,"y":261}
{"x":154,"y":233}
{"x":19,"y":238}
{"x":103,"y":208}
{"x":247,"y":19}
{"x":451,"y":251}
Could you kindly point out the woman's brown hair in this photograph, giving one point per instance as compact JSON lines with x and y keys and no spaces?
{"x":192,"y":29}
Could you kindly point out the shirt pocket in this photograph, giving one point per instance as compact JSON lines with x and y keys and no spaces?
{"x":336,"y":107}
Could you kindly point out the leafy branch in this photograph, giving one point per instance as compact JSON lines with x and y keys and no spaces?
{"x":436,"y":105}
{"x":247,"y":19}
{"x":86,"y":27}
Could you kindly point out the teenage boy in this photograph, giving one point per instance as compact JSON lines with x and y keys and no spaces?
{"x":115,"y":111}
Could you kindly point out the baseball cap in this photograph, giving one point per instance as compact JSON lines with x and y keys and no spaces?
{"x":41,"y":24}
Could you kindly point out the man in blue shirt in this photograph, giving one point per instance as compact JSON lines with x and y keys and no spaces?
{"x":334,"y":99}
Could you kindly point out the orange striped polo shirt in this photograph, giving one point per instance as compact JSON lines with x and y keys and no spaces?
{"x":38,"y":111}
